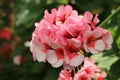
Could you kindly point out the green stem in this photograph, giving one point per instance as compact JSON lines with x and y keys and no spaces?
{"x":109,"y":16}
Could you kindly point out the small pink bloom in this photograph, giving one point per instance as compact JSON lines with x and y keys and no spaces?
{"x":89,"y":66}
{"x":81,"y":75}
{"x":17,"y":59}
{"x":100,"y":75}
{"x":97,"y":40}
{"x":65,"y":75}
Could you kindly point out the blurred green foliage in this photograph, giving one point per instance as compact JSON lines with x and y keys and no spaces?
{"x":26,"y":12}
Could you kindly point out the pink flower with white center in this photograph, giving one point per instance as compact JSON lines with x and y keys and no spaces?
{"x":97,"y":40}
{"x":65,"y":75}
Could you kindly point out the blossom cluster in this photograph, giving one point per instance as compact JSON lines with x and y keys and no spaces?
{"x":62,"y":37}
{"x":89,"y":71}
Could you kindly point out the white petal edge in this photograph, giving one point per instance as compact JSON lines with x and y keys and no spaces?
{"x":40,"y":56}
{"x":51,"y":57}
{"x":76,"y":61}
{"x":99,"y":45}
{"x":93,"y":51}
{"x":58,"y":63}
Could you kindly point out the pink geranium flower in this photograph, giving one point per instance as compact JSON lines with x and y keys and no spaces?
{"x":89,"y":71}
{"x":97,"y":40}
{"x":89,"y":66}
{"x":81,"y":75}
{"x":65,"y":75}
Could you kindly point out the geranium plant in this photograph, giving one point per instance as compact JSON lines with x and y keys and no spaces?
{"x":65,"y":38}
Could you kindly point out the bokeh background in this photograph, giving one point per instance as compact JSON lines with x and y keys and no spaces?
{"x":17,"y":18}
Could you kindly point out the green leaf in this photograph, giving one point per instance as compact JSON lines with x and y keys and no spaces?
{"x":105,"y":61}
{"x":118,"y":42}
{"x":113,"y":32}
{"x":63,"y":1}
{"x":50,"y":1}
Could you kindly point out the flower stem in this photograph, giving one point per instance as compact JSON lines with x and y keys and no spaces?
{"x":109,"y":16}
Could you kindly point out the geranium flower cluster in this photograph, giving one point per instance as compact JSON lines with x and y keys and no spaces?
{"x":62,"y":37}
{"x":89,"y":71}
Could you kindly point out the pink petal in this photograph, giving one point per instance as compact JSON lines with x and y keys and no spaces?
{"x":68,"y":10}
{"x":17,"y":59}
{"x":35,"y":48}
{"x":52,"y":57}
{"x":96,"y":20}
{"x":75,"y":42}
{"x":99,"y":45}
{"x":76,"y":61}
{"x":74,"y":13}
{"x":104,"y":74}
{"x":109,"y":40}
{"x":32,"y":50}
{"x":61,"y":11}
{"x":97,"y":33}
{"x":88,"y":17}
{"x":85,"y":47}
